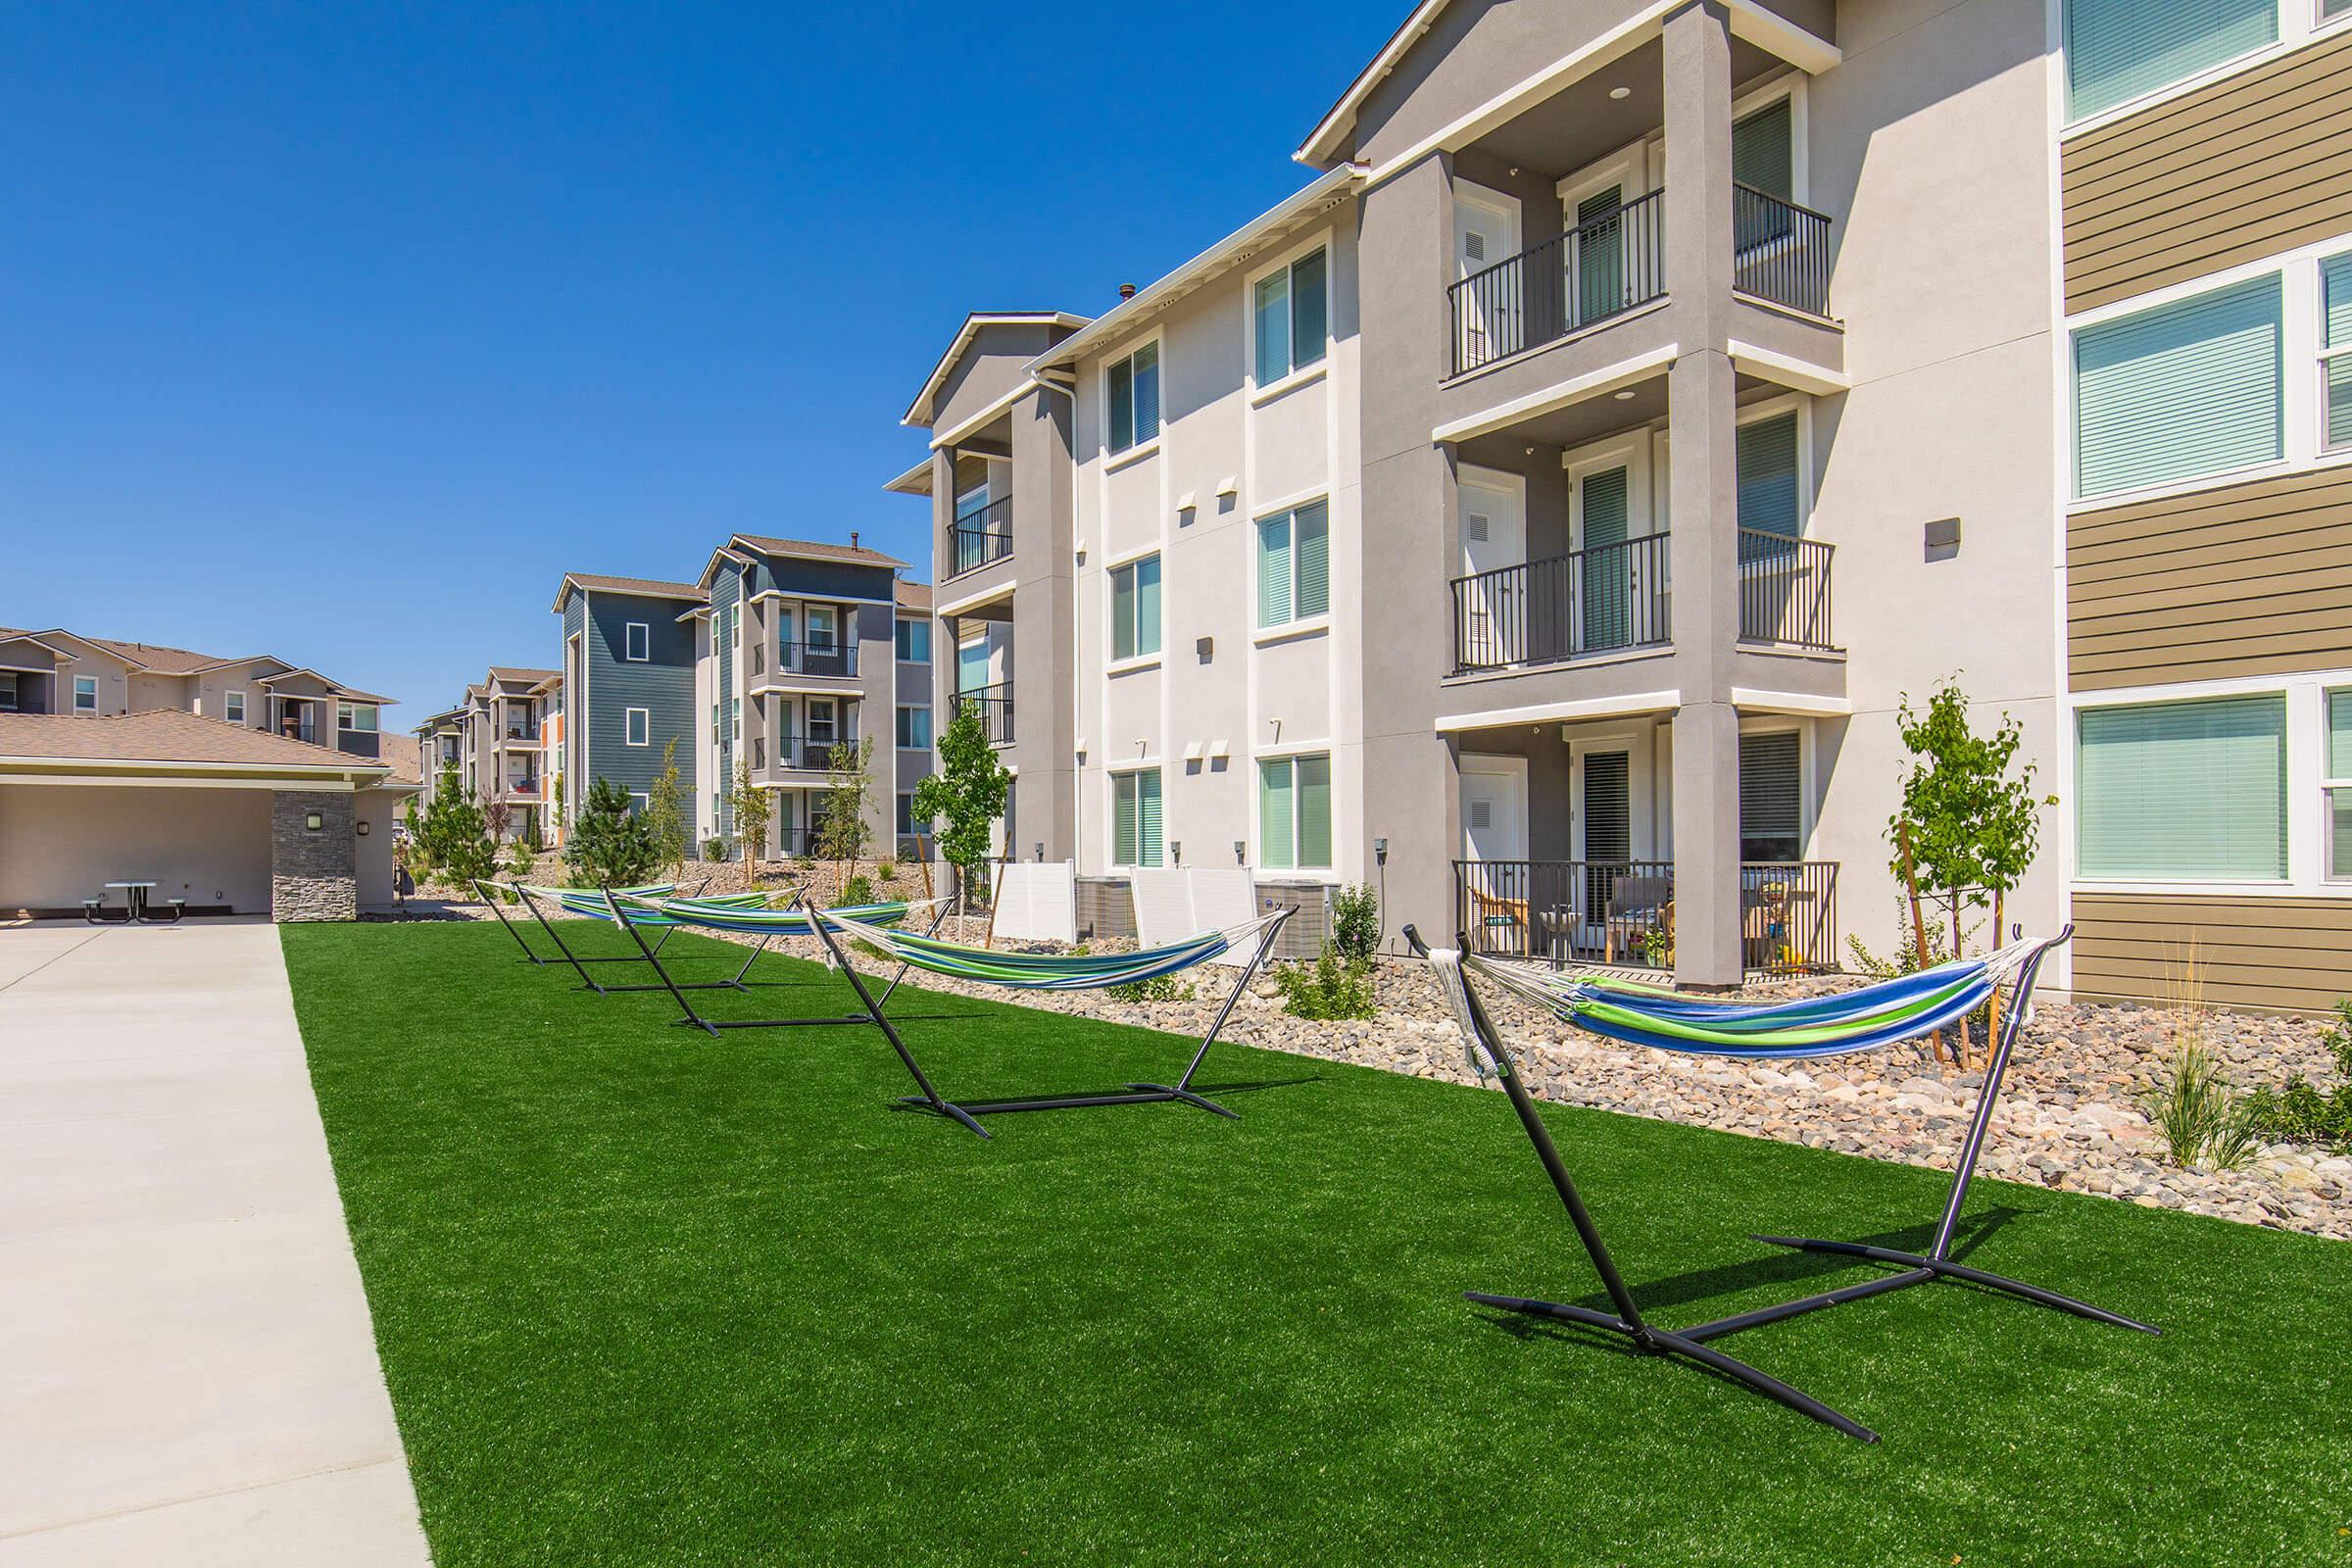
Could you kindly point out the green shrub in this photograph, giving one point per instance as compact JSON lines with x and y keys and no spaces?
{"x":859,"y":889}
{"x":887,"y":870}
{"x":1329,"y":989}
{"x":2298,"y":1111}
{"x":2203,"y":1123}
{"x":715,"y":848}
{"x":1355,"y":923}
{"x":1159,"y":988}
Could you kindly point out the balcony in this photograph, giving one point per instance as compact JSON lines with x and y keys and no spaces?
{"x":1600,"y":269}
{"x":1607,"y":598}
{"x":1620,"y":912}
{"x":981,"y":537}
{"x":1785,"y":591}
{"x":822,"y":657}
{"x":805,"y":753}
{"x":1779,"y":251}
{"x":994,"y":704}
{"x":523,"y":789}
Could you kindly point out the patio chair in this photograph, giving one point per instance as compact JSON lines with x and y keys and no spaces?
{"x":1635,"y":900}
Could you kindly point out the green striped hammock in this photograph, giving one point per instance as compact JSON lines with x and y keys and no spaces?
{"x":1042,"y":972}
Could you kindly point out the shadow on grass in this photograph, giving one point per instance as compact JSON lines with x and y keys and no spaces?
{"x":980,"y":1107}
{"x":1777,"y":1266}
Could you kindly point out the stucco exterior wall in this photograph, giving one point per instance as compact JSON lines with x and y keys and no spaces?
{"x":1255,"y":693}
{"x":59,"y":844}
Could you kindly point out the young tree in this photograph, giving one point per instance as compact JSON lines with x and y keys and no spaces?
{"x":609,"y":843}
{"x":751,"y":804}
{"x":1972,"y":825}
{"x":969,"y":794}
{"x":497,"y":814}
{"x":840,"y":830}
{"x":666,"y":810}
{"x":454,"y":834}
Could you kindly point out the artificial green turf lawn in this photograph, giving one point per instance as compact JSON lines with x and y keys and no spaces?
{"x":646,"y":1296}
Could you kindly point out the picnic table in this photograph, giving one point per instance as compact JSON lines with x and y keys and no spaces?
{"x":135,"y":904}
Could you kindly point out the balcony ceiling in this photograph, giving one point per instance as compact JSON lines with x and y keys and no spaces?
{"x":1581,"y":123}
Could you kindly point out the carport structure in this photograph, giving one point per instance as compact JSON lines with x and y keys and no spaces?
{"x":229,"y":820}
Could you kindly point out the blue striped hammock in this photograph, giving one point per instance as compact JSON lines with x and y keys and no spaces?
{"x":1042,"y":972}
{"x":746,"y":913}
{"x":1867,"y":1018}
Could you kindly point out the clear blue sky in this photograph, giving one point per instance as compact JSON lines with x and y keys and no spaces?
{"x":340,"y":331}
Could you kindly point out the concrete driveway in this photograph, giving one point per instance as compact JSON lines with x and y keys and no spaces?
{"x":189,"y":1375}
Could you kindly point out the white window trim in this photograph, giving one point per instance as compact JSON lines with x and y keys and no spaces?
{"x":1110,"y":815}
{"x":1257,"y":799}
{"x":2300,"y":25}
{"x":1112,"y":462}
{"x":923,"y":708}
{"x":77,"y":707}
{"x":1802,"y":729}
{"x":1296,"y":624}
{"x":237,"y":699}
{"x":1801,"y":404}
{"x":1110,"y":604}
{"x":1794,"y":88}
{"x":2303,"y":408}
{"x":2306,"y":696}
{"x":627,"y":726}
{"x":631,"y":634}
{"x":1298,"y":376}
{"x":1631,"y":451}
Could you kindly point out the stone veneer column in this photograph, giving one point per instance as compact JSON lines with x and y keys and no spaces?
{"x":314,"y":875}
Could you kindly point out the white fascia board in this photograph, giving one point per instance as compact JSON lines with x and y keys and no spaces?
{"x":1236,"y":247}
{"x":1782,"y":370}
{"x":1806,"y":704}
{"x":1631,"y":704}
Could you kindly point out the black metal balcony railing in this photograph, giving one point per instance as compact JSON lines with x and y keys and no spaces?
{"x":809,"y":754}
{"x":980,"y":537}
{"x":1598,"y":600}
{"x":994,"y":704}
{"x":1603,"y":266}
{"x":817,"y":658}
{"x":1784,"y":589}
{"x":1779,"y":251}
{"x":1622,"y":912}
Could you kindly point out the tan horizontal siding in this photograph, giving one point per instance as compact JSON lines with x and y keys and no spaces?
{"x":2278,"y":954}
{"x":2260,"y":162}
{"x":2248,"y":579}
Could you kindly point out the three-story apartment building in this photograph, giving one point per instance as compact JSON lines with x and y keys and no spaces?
{"x":796,"y":655}
{"x":628,"y":674}
{"x":1469,"y":521}
{"x":497,"y":741}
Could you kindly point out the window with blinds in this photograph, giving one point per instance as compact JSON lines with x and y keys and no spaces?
{"x":2339,"y":780}
{"x":1763,"y":151}
{"x":2335,"y":350}
{"x":1291,"y":317}
{"x":2183,"y":390}
{"x":1135,"y":608}
{"x":2117,"y":50}
{"x":1135,"y":818}
{"x":2192,"y":792}
{"x":1134,"y":413}
{"x":1293,"y":565}
{"x":1293,"y":813}
{"x":1771,"y":803}
{"x":1765,"y":463}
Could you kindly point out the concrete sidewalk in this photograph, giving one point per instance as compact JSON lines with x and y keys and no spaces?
{"x":189,"y":1374}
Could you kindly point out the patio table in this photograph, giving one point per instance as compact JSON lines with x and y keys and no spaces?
{"x":134,"y":895}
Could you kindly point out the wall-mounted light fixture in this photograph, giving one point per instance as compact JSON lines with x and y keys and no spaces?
{"x":1041,"y":849}
{"x":1380,"y":851}
{"x":362,"y":830}
{"x":313,"y":822}
{"x":1241,"y":853}
{"x":1175,"y":851}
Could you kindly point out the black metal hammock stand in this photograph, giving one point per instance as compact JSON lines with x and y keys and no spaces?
{"x":1627,"y":1321}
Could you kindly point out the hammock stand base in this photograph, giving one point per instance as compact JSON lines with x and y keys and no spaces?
{"x":1181,"y":1091}
{"x":644,"y":954}
{"x":1692,"y":1343}
{"x":711,"y":1026}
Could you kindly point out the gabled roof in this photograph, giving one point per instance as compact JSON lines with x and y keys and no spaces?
{"x":404,"y":755}
{"x":913,"y":595}
{"x":923,"y":409}
{"x":513,"y":675}
{"x":159,"y":660}
{"x":1321,"y":143}
{"x":641,"y":587}
{"x":812,"y":550}
{"x":165,"y":736}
